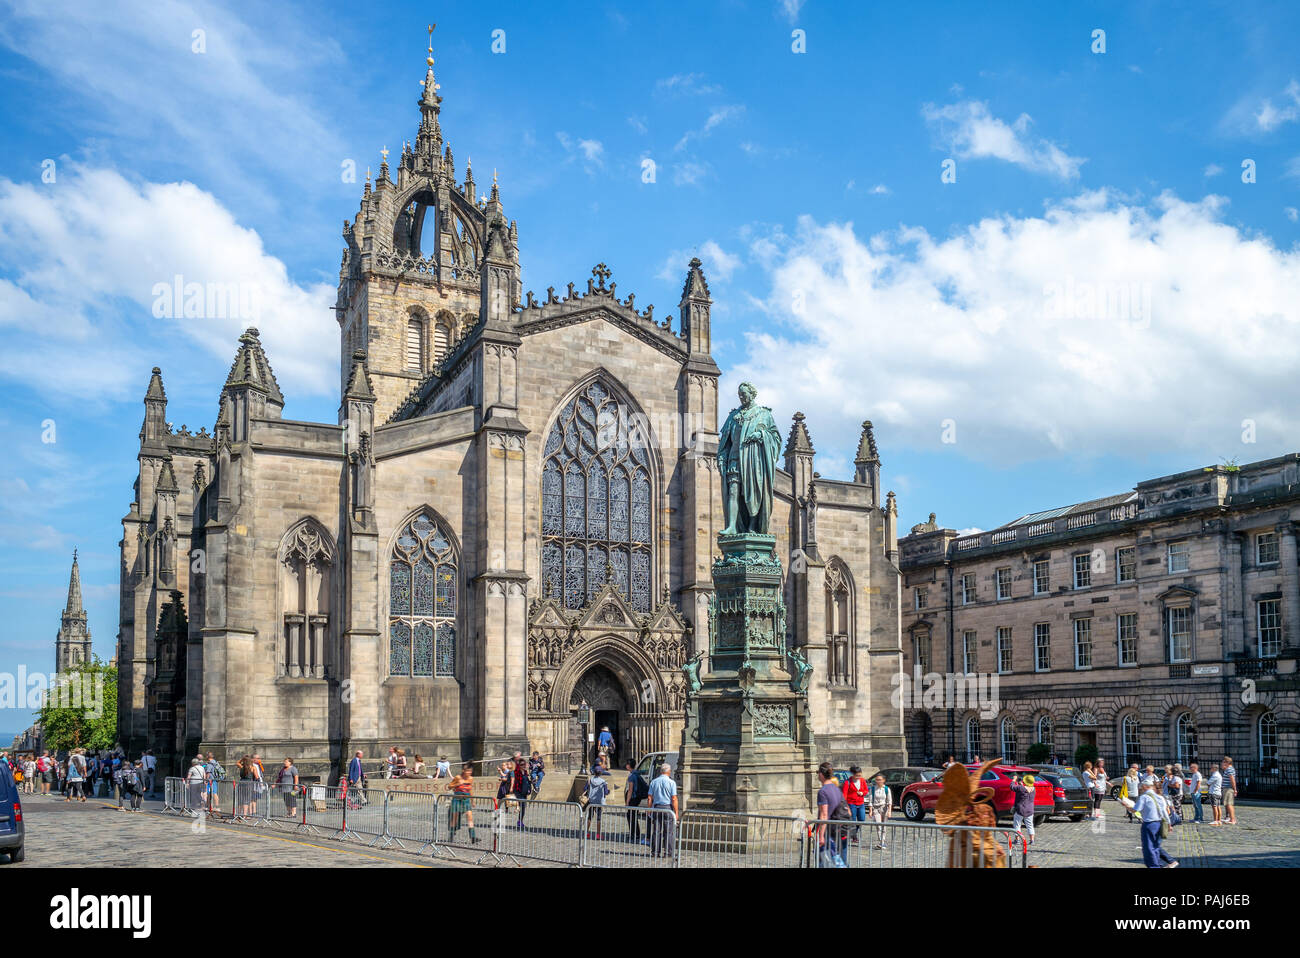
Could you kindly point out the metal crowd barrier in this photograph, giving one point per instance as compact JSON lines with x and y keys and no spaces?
{"x":412,"y":820}
{"x":616,"y":836}
{"x":913,"y":845}
{"x":600,"y":836}
{"x":541,"y":831}
{"x":730,"y":840}
{"x":465,"y":823}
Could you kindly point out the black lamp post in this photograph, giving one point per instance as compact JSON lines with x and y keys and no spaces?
{"x":584,"y":718}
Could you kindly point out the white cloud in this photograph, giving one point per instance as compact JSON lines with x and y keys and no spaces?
{"x":715,"y":119}
{"x":592,"y":152}
{"x":791,"y":8}
{"x":1269,"y":117}
{"x":246,"y":101}
{"x":1214,"y":169}
{"x":719,"y":265}
{"x":689,"y":173}
{"x":880,"y":189}
{"x":1098,"y":327}
{"x":969,"y":130}
{"x":686,"y":84}
{"x":96,"y":258}
{"x":1292,"y":213}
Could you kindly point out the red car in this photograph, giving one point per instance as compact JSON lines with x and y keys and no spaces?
{"x":921,"y":797}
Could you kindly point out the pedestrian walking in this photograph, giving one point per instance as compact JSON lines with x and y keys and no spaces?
{"x":391,"y":770}
{"x":76,"y":776}
{"x":1155,"y":828}
{"x":135,"y":781}
{"x":1194,"y":790}
{"x":1216,"y":796}
{"x":461,"y":788}
{"x":855,"y":793}
{"x":357,"y":775}
{"x":880,"y":803}
{"x":663,"y":813}
{"x":150,"y":763}
{"x":635,"y":791}
{"x":594,"y":797}
{"x":520,"y":787}
{"x":1090,"y":782}
{"x":1131,"y":788}
{"x":832,"y":843}
{"x":287,"y":781}
{"x":45,"y":766}
{"x":1023,"y":809}
{"x":1100,"y":782}
{"x":1229,"y":790}
{"x":605,"y":747}
{"x":195,"y":784}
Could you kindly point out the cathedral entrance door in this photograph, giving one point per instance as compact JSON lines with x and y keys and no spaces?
{"x":601,"y":689}
{"x":608,"y":718}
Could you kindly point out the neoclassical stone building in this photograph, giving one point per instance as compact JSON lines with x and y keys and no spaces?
{"x":515,"y":513}
{"x":1161,"y":624}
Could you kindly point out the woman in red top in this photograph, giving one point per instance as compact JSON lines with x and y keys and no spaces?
{"x":855,"y":793}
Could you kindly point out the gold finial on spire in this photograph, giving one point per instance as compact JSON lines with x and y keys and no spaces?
{"x":429,"y":58}
{"x":384,"y":154}
{"x":494,"y":176}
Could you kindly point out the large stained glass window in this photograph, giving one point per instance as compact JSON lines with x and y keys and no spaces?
{"x":597,"y":516}
{"x":423,"y":581}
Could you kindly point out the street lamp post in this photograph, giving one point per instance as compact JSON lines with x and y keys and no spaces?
{"x":584,"y":718}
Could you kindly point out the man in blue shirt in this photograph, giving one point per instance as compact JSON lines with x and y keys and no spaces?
{"x":355,"y":775}
{"x":663,"y":802}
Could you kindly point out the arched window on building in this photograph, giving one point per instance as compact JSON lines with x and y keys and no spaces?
{"x":597,"y":510}
{"x":972,"y":737}
{"x":445,"y":335}
{"x":424,"y":583}
{"x":306,"y":560}
{"x":1047,"y":733}
{"x":839,"y":623}
{"x":1266,"y":740}
{"x":1007,"y":734}
{"x":415,"y":323}
{"x":1130,"y":740}
{"x":1185,"y":738}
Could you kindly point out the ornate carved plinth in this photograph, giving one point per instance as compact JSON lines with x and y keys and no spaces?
{"x":747,"y":745}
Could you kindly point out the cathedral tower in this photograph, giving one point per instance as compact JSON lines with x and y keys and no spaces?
{"x":72,"y":644}
{"x":413,"y":282}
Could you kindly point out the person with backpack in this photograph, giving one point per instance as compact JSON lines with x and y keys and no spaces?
{"x":832,"y":840}
{"x":593,"y":796}
{"x":636,"y":791}
{"x":855,"y":793}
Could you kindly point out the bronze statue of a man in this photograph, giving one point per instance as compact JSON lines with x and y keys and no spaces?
{"x":747,"y":451}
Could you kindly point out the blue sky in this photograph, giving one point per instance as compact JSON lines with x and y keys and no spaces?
{"x":1097,"y":298}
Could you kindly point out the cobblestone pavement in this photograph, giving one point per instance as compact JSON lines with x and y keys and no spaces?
{"x":1266,"y":836}
{"x":97,"y":834}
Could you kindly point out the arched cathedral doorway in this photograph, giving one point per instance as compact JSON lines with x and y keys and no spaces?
{"x":600,"y":690}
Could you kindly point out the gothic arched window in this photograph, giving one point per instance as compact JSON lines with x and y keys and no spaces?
{"x":596,"y":502}
{"x":839,"y":622}
{"x":1008,"y":738}
{"x":306,"y":563}
{"x":423,"y":585}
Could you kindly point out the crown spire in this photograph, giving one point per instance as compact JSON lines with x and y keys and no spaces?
{"x":74,"y":589}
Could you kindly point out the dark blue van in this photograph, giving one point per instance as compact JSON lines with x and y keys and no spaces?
{"x":11,"y":815}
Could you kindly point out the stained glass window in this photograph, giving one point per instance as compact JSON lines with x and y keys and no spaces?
{"x":597,"y":510}
{"x":423,"y":582}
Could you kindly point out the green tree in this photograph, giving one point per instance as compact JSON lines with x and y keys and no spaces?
{"x":81,"y":710}
{"x":1038,"y":753}
{"x":1085,"y":753}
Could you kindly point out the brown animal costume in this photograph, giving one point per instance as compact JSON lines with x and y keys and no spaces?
{"x":964,"y":801}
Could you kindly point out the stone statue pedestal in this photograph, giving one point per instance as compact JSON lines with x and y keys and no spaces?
{"x":747,"y":745}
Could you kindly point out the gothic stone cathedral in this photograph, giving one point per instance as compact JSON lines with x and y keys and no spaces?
{"x":515,"y":512}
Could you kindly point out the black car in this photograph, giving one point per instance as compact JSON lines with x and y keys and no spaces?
{"x":1071,"y":795}
{"x":11,"y":816}
{"x":898,"y":779}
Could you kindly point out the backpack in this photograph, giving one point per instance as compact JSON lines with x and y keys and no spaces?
{"x":596,"y":789}
{"x":841,"y":812}
{"x":641,"y":791}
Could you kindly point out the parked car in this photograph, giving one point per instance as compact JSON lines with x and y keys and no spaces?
{"x":898,"y":779}
{"x":921,"y":797}
{"x":1071,"y":795}
{"x":11,"y":815}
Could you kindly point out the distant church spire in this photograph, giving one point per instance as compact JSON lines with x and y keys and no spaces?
{"x":72,"y":644}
